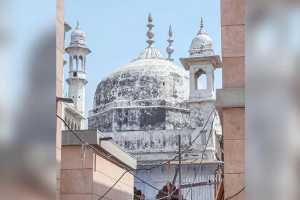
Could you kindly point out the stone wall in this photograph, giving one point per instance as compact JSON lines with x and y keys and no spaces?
{"x":91,"y":177}
{"x":59,"y":83}
{"x":233,"y":115}
{"x":140,"y":118}
{"x":159,"y":145}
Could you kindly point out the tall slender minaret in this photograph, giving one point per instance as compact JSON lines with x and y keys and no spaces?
{"x":77,"y":51}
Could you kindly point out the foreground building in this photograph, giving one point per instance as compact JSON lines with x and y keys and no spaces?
{"x":87,"y":174}
{"x":145,"y":104}
{"x":231,"y":98}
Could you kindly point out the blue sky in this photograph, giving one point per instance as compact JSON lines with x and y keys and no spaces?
{"x":116,"y":31}
{"x":22,"y":29}
{"x":26,"y":25}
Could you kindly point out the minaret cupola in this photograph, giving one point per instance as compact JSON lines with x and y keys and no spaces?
{"x":201,"y":64}
{"x":77,"y":51}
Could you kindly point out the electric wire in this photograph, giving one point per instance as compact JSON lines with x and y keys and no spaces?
{"x":110,"y":188}
{"x":202,"y":154}
{"x":107,"y":157}
{"x":127,"y":170}
{"x":185,"y":149}
{"x":234,"y":195}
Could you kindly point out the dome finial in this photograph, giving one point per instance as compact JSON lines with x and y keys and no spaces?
{"x":77,"y":24}
{"x":150,"y":34}
{"x":202,"y":44}
{"x":170,"y":40}
{"x":201,"y":26}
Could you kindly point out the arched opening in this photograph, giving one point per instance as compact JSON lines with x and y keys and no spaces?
{"x":201,"y":80}
{"x":71,"y":63}
{"x":81,"y":63}
{"x":76,"y":61}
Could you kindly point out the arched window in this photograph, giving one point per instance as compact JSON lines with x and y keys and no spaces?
{"x":81,"y":63}
{"x":76,"y":60}
{"x":71,"y":63}
{"x":201,"y":80}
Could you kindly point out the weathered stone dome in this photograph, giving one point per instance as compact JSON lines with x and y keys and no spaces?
{"x":78,"y":37}
{"x":143,"y":79}
{"x":146,"y":87}
{"x":202,"y":44}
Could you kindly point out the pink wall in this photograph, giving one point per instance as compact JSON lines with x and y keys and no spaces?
{"x":233,"y":52}
{"x":59,"y":81}
{"x":93,"y":179}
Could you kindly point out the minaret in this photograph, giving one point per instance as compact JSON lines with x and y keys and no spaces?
{"x":201,"y":64}
{"x":77,"y":51}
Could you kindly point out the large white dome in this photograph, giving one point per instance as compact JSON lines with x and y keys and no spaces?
{"x":149,"y":77}
{"x":148,"y":93}
{"x":144,"y":94}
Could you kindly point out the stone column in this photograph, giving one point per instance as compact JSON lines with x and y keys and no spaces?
{"x":210,"y":80}
{"x":230,"y":99}
{"x":59,"y":84}
{"x":193,"y":82}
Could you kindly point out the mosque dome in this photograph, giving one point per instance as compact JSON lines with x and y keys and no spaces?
{"x":141,"y":94}
{"x":148,"y":77}
{"x":202,"y":44}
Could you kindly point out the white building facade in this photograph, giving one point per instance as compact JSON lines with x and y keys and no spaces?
{"x":145,"y":104}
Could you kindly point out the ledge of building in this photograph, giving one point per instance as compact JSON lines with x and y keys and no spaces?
{"x":93,"y":137}
{"x":215,"y":60}
{"x":70,"y":107}
{"x":230,"y":98}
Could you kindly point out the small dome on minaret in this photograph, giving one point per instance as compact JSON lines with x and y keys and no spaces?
{"x":202,"y":44}
{"x":78,"y":41}
{"x":78,"y":37}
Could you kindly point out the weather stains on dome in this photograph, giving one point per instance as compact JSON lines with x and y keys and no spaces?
{"x":202,"y":44}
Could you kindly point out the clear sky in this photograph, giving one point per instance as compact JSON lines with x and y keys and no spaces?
{"x":116,"y":31}
{"x":26,"y":25}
